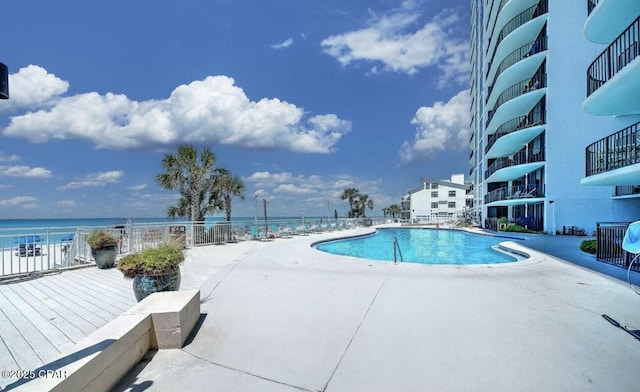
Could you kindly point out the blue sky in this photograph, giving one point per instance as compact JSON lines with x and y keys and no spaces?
{"x":301,"y":99}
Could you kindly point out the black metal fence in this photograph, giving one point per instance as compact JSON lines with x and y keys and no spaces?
{"x":514,"y":193}
{"x":609,"y":236}
{"x":536,"y":116}
{"x":539,"y":80}
{"x":615,"y":57}
{"x":519,"y":158}
{"x":614,"y":151}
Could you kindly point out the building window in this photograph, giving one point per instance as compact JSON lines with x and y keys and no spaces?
{"x":452,"y":204}
{"x":452,"y":193}
{"x":434,"y":185}
{"x":434,"y":205}
{"x":434,"y":194}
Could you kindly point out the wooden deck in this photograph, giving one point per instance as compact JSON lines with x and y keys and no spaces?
{"x":43,"y":317}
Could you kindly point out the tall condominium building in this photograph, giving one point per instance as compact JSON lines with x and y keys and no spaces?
{"x":529,"y":59}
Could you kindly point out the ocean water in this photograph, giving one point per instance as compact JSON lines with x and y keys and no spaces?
{"x":10,"y":229}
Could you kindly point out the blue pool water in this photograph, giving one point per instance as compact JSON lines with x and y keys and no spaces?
{"x":426,"y":246}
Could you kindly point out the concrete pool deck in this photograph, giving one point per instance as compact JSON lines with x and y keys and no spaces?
{"x":288,"y":318}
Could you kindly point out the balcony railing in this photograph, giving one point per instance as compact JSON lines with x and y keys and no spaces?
{"x":522,"y":52}
{"x":613,"y":59}
{"x":627,"y":190}
{"x":536,"y":117}
{"x":591,"y":4}
{"x":525,"y":16}
{"x":495,"y":20}
{"x":514,"y":193}
{"x":519,"y":158}
{"x":614,"y":151}
{"x":539,"y":80}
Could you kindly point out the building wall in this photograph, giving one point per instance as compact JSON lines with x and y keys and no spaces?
{"x":570,"y":130}
{"x":421,"y":203}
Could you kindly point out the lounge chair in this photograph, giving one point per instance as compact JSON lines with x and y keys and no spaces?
{"x":257,"y":234}
{"x":28,"y":250}
{"x":286,"y":232}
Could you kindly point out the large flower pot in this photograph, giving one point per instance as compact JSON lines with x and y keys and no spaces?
{"x":143,"y":285}
{"x":105,"y":257}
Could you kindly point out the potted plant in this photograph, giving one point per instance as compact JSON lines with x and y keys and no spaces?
{"x":104,"y":248}
{"x":153,"y":270}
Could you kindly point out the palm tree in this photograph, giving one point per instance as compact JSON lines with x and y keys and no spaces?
{"x":350,"y":194}
{"x":364,"y":203}
{"x":230,"y":186}
{"x":394,"y":210}
{"x":195,"y":178}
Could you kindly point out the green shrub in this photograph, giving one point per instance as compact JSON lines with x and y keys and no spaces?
{"x":101,"y":239}
{"x":512,"y":227}
{"x":152,"y":261}
{"x":588,"y":246}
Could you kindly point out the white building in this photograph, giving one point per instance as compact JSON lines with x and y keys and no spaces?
{"x":529,"y":61}
{"x":436,"y":200}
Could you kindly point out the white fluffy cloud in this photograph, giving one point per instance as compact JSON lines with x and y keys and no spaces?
{"x":24,"y":171}
{"x":212,"y":111}
{"x":33,"y":86}
{"x":19,"y":201}
{"x":443,"y":126}
{"x":95,"y":179}
{"x":402,"y":42}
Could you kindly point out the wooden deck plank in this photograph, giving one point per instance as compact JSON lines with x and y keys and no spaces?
{"x":63,"y":310}
{"x":93,"y":300}
{"x":73,"y":333}
{"x":79,"y":306}
{"x":120,"y":297}
{"x":49,"y":330}
{"x":40,"y":344}
{"x":18,"y":345}
{"x":44,"y":326}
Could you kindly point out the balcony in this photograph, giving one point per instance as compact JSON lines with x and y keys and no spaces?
{"x":615,"y":159}
{"x":607,"y":18}
{"x":513,"y":195}
{"x":516,"y":166}
{"x":532,"y":51}
{"x":530,"y":90}
{"x":626,"y":191}
{"x":512,"y":135}
{"x":613,"y":79}
{"x":531,"y":30}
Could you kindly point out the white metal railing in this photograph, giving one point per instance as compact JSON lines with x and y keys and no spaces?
{"x":29,"y":250}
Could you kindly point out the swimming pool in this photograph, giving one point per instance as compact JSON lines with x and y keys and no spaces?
{"x":425,"y":246}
